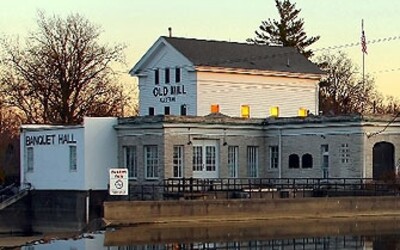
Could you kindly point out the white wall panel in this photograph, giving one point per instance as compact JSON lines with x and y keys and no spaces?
{"x":167,"y":57}
{"x":231,"y":91}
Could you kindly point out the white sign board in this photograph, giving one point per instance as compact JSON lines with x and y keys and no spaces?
{"x":119,"y":181}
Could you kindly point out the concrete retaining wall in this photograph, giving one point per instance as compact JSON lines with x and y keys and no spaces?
{"x":52,"y":211}
{"x":131,"y":212}
{"x":15,"y":218}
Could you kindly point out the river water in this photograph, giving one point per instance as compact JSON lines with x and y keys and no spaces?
{"x":340,"y":233}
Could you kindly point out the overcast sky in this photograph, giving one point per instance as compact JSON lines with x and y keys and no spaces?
{"x":138,"y":24}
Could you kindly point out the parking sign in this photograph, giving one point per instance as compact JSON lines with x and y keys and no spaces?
{"x":119,"y":181}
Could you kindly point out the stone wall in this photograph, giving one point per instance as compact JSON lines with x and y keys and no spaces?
{"x":127,"y":213}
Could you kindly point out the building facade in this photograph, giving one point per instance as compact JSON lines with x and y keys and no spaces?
{"x":69,"y":157}
{"x":204,"y":114}
{"x":180,"y":76}
{"x":217,"y":146}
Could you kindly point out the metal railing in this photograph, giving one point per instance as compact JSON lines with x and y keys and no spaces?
{"x":234,"y":188}
{"x":13,"y":193}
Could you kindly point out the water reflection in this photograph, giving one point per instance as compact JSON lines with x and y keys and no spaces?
{"x":308,"y":234}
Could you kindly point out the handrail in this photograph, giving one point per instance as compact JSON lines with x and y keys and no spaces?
{"x":15,"y":197}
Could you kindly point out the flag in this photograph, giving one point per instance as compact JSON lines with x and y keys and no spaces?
{"x":363,"y":42}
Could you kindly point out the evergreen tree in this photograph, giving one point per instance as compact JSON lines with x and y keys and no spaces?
{"x":288,"y":31}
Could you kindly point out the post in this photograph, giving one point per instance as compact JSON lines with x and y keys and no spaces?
{"x":88,"y":207}
{"x":364,"y":51}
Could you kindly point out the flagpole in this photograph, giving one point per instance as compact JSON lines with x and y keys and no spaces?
{"x":363,"y":69}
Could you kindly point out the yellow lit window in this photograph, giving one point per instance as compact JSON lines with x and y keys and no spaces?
{"x":245,"y":111}
{"x":274,"y":111}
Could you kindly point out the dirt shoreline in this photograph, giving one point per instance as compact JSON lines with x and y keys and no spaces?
{"x":11,"y":241}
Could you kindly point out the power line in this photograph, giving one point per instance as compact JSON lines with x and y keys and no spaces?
{"x":262,"y":57}
{"x":349,"y":45}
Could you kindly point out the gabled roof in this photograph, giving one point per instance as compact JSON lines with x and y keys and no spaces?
{"x":243,"y":55}
{"x":233,"y":55}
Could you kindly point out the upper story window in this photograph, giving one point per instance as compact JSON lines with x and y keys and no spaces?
{"x":166,"y":75}
{"x":177,"y":75}
{"x":157,"y":76}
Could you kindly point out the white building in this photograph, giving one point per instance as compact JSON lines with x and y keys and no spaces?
{"x":77,"y":157}
{"x":180,"y":76}
{"x":176,"y":137}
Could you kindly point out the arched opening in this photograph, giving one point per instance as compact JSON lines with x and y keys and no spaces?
{"x":307,"y":161}
{"x":294,"y":161}
{"x":383,"y":160}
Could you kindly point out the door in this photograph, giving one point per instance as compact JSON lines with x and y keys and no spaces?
{"x":205,"y":159}
{"x":383,"y":160}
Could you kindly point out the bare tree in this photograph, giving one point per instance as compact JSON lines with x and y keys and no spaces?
{"x":62,"y":73}
{"x":343,"y":91}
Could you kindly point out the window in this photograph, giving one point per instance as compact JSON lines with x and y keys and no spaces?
{"x":151,"y":161}
{"x":167,"y":110}
{"x":167,"y":75}
{"x":233,"y":161}
{"x":294,"y":161}
{"x":274,"y":157}
{"x":177,"y":75}
{"x":183,"y":109}
{"x":177,"y":162}
{"x":210,"y":158}
{"x":245,"y":111}
{"x":29,"y":159}
{"x":325,"y":160}
{"x":197,"y":158}
{"x":151,"y":111}
{"x":324,"y":148}
{"x":72,"y":158}
{"x":252,"y":161}
{"x":344,"y":153}
{"x":307,"y":161}
{"x":156,"y":76}
{"x":214,"y":108}
{"x":130,"y":160}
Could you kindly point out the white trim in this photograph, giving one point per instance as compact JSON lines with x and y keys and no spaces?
{"x":258,"y":72}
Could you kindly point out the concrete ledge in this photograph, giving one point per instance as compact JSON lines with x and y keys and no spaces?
{"x":125,"y":213}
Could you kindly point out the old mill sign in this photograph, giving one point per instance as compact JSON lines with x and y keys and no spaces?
{"x":119,"y":181}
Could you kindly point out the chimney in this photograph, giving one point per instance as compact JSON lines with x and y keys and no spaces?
{"x":170,"y":31}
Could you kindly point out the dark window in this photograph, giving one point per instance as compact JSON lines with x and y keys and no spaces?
{"x":306,"y":161}
{"x":183,"y":109}
{"x":167,"y":110}
{"x":167,"y":75}
{"x":151,"y":111}
{"x":294,"y":161}
{"x":177,"y":75}
{"x":156,"y":76}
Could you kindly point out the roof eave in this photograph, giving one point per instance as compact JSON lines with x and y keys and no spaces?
{"x":314,"y":76}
